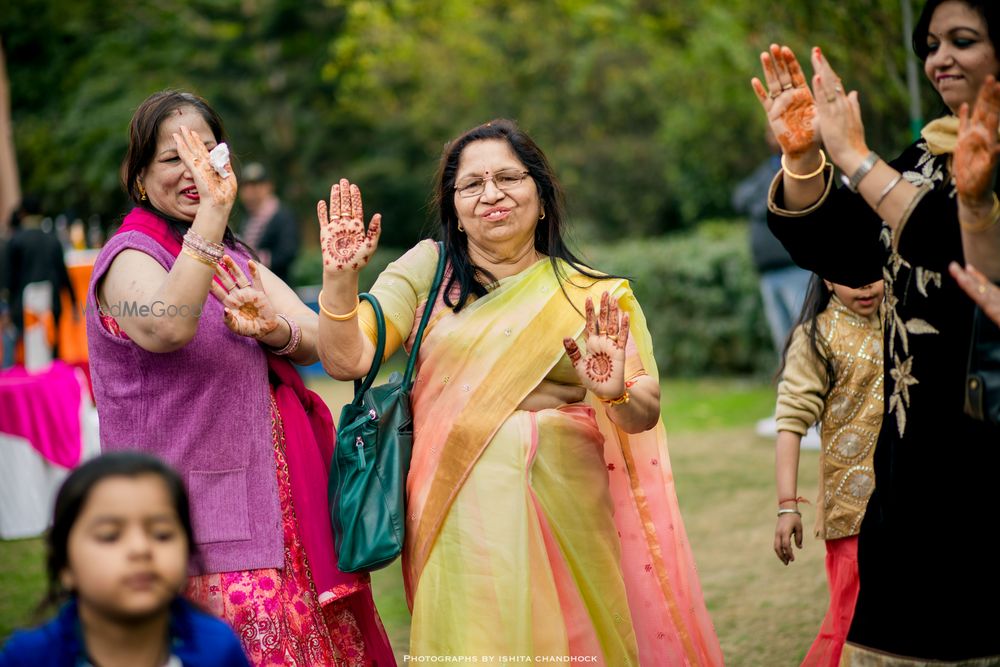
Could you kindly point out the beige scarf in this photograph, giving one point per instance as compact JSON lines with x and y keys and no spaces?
{"x":942,"y":135}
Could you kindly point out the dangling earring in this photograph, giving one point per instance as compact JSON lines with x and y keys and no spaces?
{"x":142,"y":190}
{"x":460,"y":227}
{"x":542,"y":216}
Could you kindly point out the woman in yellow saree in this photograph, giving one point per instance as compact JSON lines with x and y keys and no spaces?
{"x":542,"y":523}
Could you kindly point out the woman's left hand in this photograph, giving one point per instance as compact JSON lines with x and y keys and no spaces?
{"x":839,"y":116}
{"x":975,"y":158}
{"x":248,"y":310}
{"x":602,"y":369}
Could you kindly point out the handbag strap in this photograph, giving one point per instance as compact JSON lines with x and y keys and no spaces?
{"x":431,"y":300}
{"x":361,"y":386}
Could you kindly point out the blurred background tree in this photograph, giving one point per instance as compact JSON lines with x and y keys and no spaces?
{"x":643,"y":106}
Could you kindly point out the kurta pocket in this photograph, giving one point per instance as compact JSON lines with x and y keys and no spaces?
{"x":219,"y":511}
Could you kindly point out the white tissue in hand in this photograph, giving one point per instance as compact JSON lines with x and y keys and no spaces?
{"x":219,"y":158}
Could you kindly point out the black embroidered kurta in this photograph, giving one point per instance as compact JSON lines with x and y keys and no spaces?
{"x":929,"y":585}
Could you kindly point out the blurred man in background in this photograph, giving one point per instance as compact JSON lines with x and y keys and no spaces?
{"x":270,"y":228}
{"x":34,"y":255}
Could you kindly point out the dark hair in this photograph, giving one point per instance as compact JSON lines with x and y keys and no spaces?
{"x":816,"y":301}
{"x":143,"y":132}
{"x":73,"y":495}
{"x":549,"y":232}
{"x":989,"y":10}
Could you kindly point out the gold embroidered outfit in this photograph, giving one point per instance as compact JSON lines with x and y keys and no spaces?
{"x":849,"y":412}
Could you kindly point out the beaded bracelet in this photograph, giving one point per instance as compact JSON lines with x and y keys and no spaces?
{"x":293,"y":340}
{"x":621,"y":400}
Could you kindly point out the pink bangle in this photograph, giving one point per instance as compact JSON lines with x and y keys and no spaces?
{"x":200,"y":245}
{"x":293,"y":340}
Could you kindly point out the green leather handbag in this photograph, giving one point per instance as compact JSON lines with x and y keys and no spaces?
{"x":367,"y":491}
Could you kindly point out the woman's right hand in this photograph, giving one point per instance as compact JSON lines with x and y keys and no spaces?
{"x":789,"y":525}
{"x":346,"y":245}
{"x":788,"y":103}
{"x":214,"y":190}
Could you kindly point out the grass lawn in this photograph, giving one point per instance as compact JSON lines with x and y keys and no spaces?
{"x":765,"y":614}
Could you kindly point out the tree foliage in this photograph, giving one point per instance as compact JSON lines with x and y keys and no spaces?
{"x":644,"y":107}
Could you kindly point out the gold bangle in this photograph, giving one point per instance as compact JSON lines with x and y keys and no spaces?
{"x":334,"y":316}
{"x":621,"y":400}
{"x":203,"y":260}
{"x":805,"y":177}
{"x":983,"y":226}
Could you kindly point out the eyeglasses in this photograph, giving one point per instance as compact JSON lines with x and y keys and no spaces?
{"x":504,"y":180}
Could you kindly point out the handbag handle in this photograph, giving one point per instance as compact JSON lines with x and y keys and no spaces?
{"x":360,"y":387}
{"x":431,"y":300}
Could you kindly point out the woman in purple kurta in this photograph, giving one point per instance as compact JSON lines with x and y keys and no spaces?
{"x":189,"y":359}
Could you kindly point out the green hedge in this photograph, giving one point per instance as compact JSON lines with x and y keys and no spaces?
{"x":699,"y":293}
{"x":697,"y":289}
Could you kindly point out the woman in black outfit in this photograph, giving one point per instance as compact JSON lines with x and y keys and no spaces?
{"x":929,"y":588}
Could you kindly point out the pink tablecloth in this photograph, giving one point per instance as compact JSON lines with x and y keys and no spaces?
{"x":44,"y":409}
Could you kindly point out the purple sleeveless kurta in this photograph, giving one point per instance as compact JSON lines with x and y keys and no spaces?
{"x":204,"y":409}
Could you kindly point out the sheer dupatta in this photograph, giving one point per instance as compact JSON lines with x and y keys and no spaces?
{"x":475,"y":368}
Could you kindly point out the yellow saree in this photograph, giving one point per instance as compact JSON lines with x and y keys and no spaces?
{"x":536,"y":534}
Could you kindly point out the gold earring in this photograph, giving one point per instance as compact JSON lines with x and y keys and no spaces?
{"x":142,"y":190}
{"x":542,"y":216}
{"x":460,"y":227}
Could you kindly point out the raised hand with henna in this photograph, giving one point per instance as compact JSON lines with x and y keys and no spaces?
{"x":213,"y":189}
{"x":248,"y":310}
{"x":788,"y":102}
{"x":602,"y":369}
{"x":975,"y":158}
{"x":346,"y":245}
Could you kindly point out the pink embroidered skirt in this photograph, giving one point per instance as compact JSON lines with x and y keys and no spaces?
{"x":276,"y":612}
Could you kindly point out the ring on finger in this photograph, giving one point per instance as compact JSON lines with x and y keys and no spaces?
{"x":831,"y":98}
{"x":981,"y":289}
{"x":774,"y":94}
{"x":613,"y":337}
{"x":837,"y":88}
{"x":787,"y":86}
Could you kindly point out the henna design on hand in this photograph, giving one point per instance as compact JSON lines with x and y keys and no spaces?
{"x":600,"y":367}
{"x":572,"y":350}
{"x":799,"y":135}
{"x":249,"y":310}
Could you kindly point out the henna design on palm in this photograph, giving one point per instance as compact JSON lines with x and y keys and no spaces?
{"x":345,"y":244}
{"x":600,"y":367}
{"x":602,"y":370}
{"x":787,"y":100}
{"x":975,"y":156}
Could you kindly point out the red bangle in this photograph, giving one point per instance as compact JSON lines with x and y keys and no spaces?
{"x":800,"y":499}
